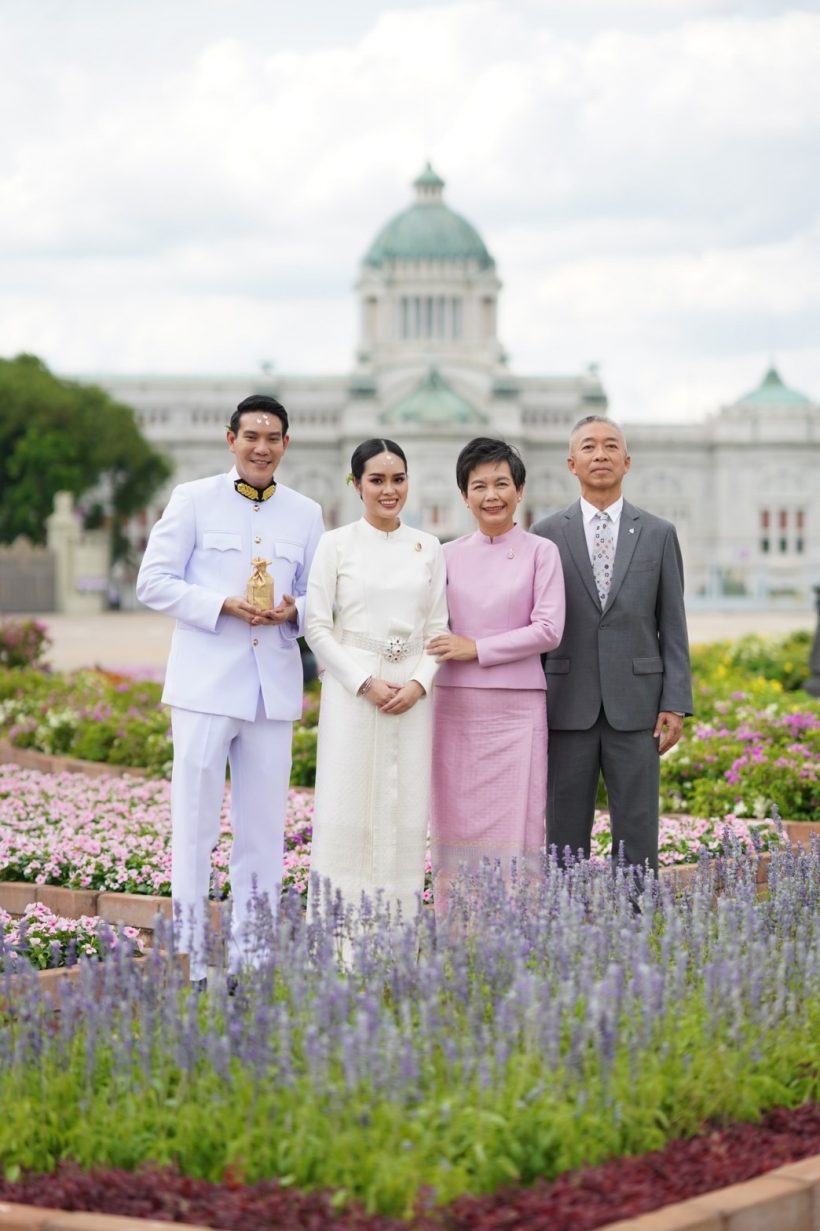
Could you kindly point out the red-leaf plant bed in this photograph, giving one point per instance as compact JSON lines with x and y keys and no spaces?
{"x":576,"y":1201}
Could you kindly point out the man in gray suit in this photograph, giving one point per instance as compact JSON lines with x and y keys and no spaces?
{"x":619,"y":684}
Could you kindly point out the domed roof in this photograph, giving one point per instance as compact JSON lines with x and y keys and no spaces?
{"x":433,"y":402}
{"x":428,"y":231}
{"x":772,"y":392}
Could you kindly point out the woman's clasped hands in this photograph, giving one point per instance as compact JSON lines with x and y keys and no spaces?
{"x":389,"y":698}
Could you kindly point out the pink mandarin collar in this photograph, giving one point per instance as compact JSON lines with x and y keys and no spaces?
{"x":499,"y":538}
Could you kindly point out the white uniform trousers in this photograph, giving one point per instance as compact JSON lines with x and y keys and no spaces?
{"x":259,"y":753}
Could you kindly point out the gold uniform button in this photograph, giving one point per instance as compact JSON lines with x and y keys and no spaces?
{"x":256,"y":508}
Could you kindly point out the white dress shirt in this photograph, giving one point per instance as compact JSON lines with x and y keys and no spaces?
{"x":589,"y":512}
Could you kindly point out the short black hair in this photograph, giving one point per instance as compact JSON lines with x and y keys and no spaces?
{"x":372,"y":448}
{"x":260,"y":401}
{"x":486,"y":449}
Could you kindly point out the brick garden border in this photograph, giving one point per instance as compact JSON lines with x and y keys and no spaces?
{"x":140,"y":910}
{"x":36,"y":1218}
{"x":787,"y":1199}
{"x":45,"y":763}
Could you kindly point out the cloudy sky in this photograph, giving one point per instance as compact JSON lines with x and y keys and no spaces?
{"x":189,"y":185}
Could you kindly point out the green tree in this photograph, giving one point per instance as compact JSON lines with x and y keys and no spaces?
{"x":59,"y":435}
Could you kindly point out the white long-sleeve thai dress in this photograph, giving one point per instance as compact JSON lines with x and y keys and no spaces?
{"x":368,"y":593}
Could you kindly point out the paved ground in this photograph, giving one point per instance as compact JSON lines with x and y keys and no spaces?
{"x":140,"y":640}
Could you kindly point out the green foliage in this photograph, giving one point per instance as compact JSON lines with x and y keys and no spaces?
{"x":303,"y":763}
{"x":754,"y":743}
{"x":22,"y":642}
{"x":744,"y":689}
{"x":58,"y":435}
{"x":697,"y":1049}
{"x":99,"y":716}
{"x":763,"y":672}
{"x":92,"y":715}
{"x":43,"y":939}
{"x":750,"y":660}
{"x":747,"y":767}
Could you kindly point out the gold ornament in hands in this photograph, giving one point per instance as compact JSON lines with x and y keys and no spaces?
{"x":260,"y":585}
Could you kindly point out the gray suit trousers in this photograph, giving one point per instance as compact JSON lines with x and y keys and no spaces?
{"x":630,"y":766}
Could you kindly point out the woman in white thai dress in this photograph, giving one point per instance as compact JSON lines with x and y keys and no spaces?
{"x":376,"y":596}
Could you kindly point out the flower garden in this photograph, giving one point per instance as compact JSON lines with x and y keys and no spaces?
{"x":549,"y":1029}
{"x":114,"y":834}
{"x":753,"y":747}
{"x":444,"y":1070}
{"x":45,"y":940}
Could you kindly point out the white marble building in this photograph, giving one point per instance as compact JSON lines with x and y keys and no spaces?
{"x":431,"y":372}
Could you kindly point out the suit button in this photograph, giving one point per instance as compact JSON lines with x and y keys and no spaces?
{"x":256,"y":641}
{"x":257,"y":539}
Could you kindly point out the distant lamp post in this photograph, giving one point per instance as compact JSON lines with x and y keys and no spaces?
{"x":812,"y":684}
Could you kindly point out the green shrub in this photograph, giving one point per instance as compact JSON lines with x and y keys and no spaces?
{"x":99,"y":716}
{"x":751,"y":661}
{"x":750,"y":683}
{"x":22,"y":642}
{"x":303,"y":764}
{"x":754,"y":743}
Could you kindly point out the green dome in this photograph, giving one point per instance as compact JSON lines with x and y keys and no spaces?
{"x":433,"y":402}
{"x":428,"y":231}
{"x":772,"y":392}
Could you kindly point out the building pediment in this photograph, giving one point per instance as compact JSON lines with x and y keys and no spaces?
{"x":433,"y":402}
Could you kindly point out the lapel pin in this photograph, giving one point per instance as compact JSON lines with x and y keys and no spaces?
{"x":631,"y":529}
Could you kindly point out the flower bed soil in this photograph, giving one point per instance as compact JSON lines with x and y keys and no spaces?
{"x":577,"y":1201}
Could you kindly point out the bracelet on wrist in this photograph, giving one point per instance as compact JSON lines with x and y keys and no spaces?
{"x":366,"y":686}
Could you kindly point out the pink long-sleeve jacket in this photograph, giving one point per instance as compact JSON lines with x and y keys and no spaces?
{"x":507,"y":594}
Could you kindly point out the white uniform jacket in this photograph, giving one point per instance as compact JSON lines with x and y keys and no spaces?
{"x":199,"y":554}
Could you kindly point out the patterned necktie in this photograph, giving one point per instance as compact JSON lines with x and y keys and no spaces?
{"x":603,"y":555}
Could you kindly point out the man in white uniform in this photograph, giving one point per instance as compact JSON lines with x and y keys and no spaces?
{"x":234,"y":677}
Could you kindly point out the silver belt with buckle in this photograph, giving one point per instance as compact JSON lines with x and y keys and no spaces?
{"x":391,"y":649}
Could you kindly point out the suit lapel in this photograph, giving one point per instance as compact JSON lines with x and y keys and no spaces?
{"x":628,"y":534}
{"x":577,"y":543}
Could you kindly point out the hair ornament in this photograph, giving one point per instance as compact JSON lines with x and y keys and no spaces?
{"x":350,"y":479}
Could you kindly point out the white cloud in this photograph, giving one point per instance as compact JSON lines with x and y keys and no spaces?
{"x":192,"y":186}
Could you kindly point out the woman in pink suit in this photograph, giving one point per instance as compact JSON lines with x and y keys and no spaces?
{"x":505,"y":592}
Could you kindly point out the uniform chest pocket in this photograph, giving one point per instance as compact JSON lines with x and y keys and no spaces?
{"x":294,"y":552}
{"x":217,"y":540}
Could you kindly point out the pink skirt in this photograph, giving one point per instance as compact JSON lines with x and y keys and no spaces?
{"x":489,"y":782}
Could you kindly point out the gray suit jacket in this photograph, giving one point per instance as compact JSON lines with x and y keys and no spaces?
{"x":632,"y":657}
